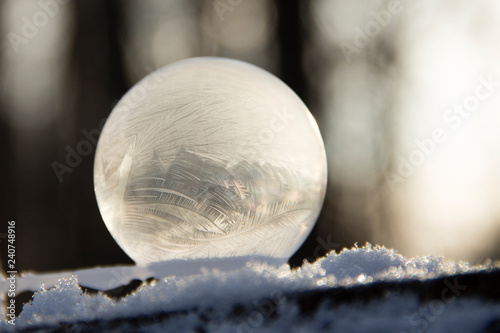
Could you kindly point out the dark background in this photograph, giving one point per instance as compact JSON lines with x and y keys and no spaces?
{"x":65,"y":75}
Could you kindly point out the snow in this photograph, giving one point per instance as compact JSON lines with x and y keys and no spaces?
{"x":264,"y":286}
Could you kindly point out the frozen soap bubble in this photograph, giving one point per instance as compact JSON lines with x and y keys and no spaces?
{"x":210,"y":158}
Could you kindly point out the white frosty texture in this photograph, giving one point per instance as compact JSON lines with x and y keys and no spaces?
{"x":221,"y":290}
{"x":210,"y":157}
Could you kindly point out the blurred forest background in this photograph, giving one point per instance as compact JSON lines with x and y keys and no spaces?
{"x":406,"y":95}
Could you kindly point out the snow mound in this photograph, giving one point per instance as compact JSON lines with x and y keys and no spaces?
{"x":223,"y":289}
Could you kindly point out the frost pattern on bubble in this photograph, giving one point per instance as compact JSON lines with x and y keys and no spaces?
{"x":206,"y":158}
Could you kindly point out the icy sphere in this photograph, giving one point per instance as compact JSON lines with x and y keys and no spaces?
{"x":210,"y":158}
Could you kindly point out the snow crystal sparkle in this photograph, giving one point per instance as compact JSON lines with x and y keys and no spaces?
{"x":210,"y":158}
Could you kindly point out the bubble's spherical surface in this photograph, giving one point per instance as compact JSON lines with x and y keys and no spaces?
{"x":210,"y":158}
